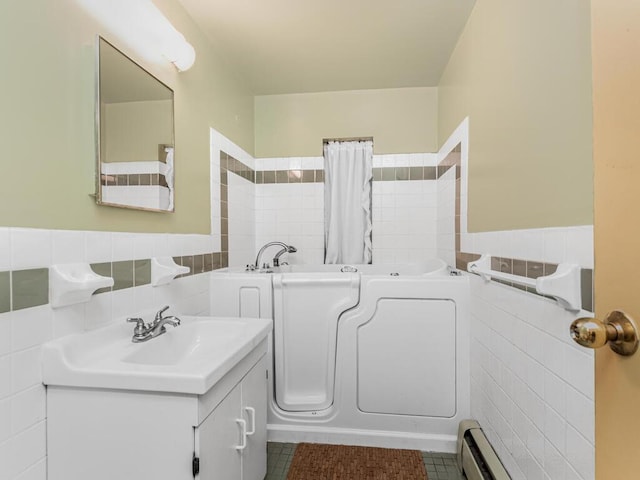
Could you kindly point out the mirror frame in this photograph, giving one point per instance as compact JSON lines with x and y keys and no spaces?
{"x":98,"y":138}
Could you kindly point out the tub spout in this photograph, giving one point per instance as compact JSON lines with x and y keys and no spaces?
{"x":289,"y":249}
{"x":276,"y":260}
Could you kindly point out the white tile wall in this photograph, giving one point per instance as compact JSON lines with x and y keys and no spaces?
{"x":293,"y":214}
{"x":241,"y":209}
{"x":22,"y":332}
{"x":404,"y":213}
{"x":532,"y":388}
{"x":241,"y":197}
{"x":406,"y":160}
{"x":445,"y":228}
{"x":404,"y":221}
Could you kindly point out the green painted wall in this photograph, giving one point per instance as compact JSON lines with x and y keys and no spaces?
{"x":47,"y":122}
{"x":521,"y":72}
{"x":132,"y":131}
{"x":400,"y":120}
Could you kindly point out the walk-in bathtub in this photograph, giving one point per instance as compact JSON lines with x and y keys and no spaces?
{"x":365,"y":355}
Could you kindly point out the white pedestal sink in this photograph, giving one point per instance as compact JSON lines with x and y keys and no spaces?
{"x":190,"y":403}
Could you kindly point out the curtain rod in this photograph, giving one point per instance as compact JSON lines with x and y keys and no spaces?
{"x":348,"y":139}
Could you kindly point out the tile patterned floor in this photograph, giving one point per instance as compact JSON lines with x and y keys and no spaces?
{"x":440,"y":466}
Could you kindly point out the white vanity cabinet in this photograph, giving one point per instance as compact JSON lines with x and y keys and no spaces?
{"x":107,"y":434}
{"x":231,"y":441}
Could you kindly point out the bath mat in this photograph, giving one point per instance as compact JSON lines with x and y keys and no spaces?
{"x":313,"y":461}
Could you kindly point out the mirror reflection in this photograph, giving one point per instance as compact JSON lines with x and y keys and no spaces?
{"x":135,"y":135}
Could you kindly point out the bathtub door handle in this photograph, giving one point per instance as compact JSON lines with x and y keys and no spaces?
{"x":251,"y":412}
{"x":243,"y":434}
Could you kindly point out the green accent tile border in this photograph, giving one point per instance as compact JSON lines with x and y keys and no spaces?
{"x":20,"y":289}
{"x":29,"y":288}
{"x":394,"y":174}
{"x":586,"y":280}
{"x":103,"y":269}
{"x":282,"y":176}
{"x":5,"y":292}
{"x":530,"y":269}
{"x":380,"y":174}
{"x":289,"y":176}
{"x":187,"y":261}
{"x":402,"y":173}
{"x":134,"y":179}
{"x":463,"y":259}
{"x":122,"y":274}
{"x":141,"y":272}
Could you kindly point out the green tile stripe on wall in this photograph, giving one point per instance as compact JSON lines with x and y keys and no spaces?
{"x":5,"y":292}
{"x":20,"y":289}
{"x":529,"y":269}
{"x":103,"y":269}
{"x":122,"y":274}
{"x":29,"y":288}
{"x":141,"y":272}
{"x":187,"y":261}
{"x":134,"y":179}
{"x":393,"y":174}
{"x":230,"y":164}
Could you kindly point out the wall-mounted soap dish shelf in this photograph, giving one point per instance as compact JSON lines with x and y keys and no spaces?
{"x":74,"y":283}
{"x":164,"y":270}
{"x":563,"y":285}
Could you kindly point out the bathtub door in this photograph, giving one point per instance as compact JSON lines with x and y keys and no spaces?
{"x":306,"y":311}
{"x":407,"y":358}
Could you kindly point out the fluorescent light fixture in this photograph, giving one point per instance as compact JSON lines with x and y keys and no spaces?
{"x":141,"y":25}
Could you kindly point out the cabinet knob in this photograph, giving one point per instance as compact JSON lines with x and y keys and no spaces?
{"x":617,"y":329}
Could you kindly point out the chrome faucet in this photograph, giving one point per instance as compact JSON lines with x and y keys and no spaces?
{"x":143,"y":332}
{"x":276,"y":260}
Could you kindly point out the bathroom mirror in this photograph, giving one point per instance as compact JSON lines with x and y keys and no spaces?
{"x":135,"y":136}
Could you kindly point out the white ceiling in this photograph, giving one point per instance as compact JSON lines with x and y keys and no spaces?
{"x":295,"y":46}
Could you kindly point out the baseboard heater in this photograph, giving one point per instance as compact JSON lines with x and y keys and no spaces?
{"x":476,"y":457}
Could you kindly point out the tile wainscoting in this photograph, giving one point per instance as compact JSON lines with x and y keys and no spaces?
{"x":28,"y":321}
{"x":532,"y":387}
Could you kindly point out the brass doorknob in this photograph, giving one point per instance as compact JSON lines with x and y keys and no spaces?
{"x":618,"y":329}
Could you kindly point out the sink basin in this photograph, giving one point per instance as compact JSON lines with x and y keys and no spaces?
{"x":190,"y":358}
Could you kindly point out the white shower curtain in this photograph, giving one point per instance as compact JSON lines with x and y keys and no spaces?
{"x":347,"y":206}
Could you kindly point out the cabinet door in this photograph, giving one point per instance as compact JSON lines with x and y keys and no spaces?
{"x":217,"y":438}
{"x":254,"y":410}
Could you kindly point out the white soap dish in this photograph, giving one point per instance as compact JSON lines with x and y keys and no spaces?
{"x":74,"y":283}
{"x":164,"y":270}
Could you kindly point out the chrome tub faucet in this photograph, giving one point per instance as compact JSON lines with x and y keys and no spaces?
{"x":276,"y":260}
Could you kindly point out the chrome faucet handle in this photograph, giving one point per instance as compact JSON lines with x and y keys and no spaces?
{"x":160,"y":312}
{"x":140,"y":325}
